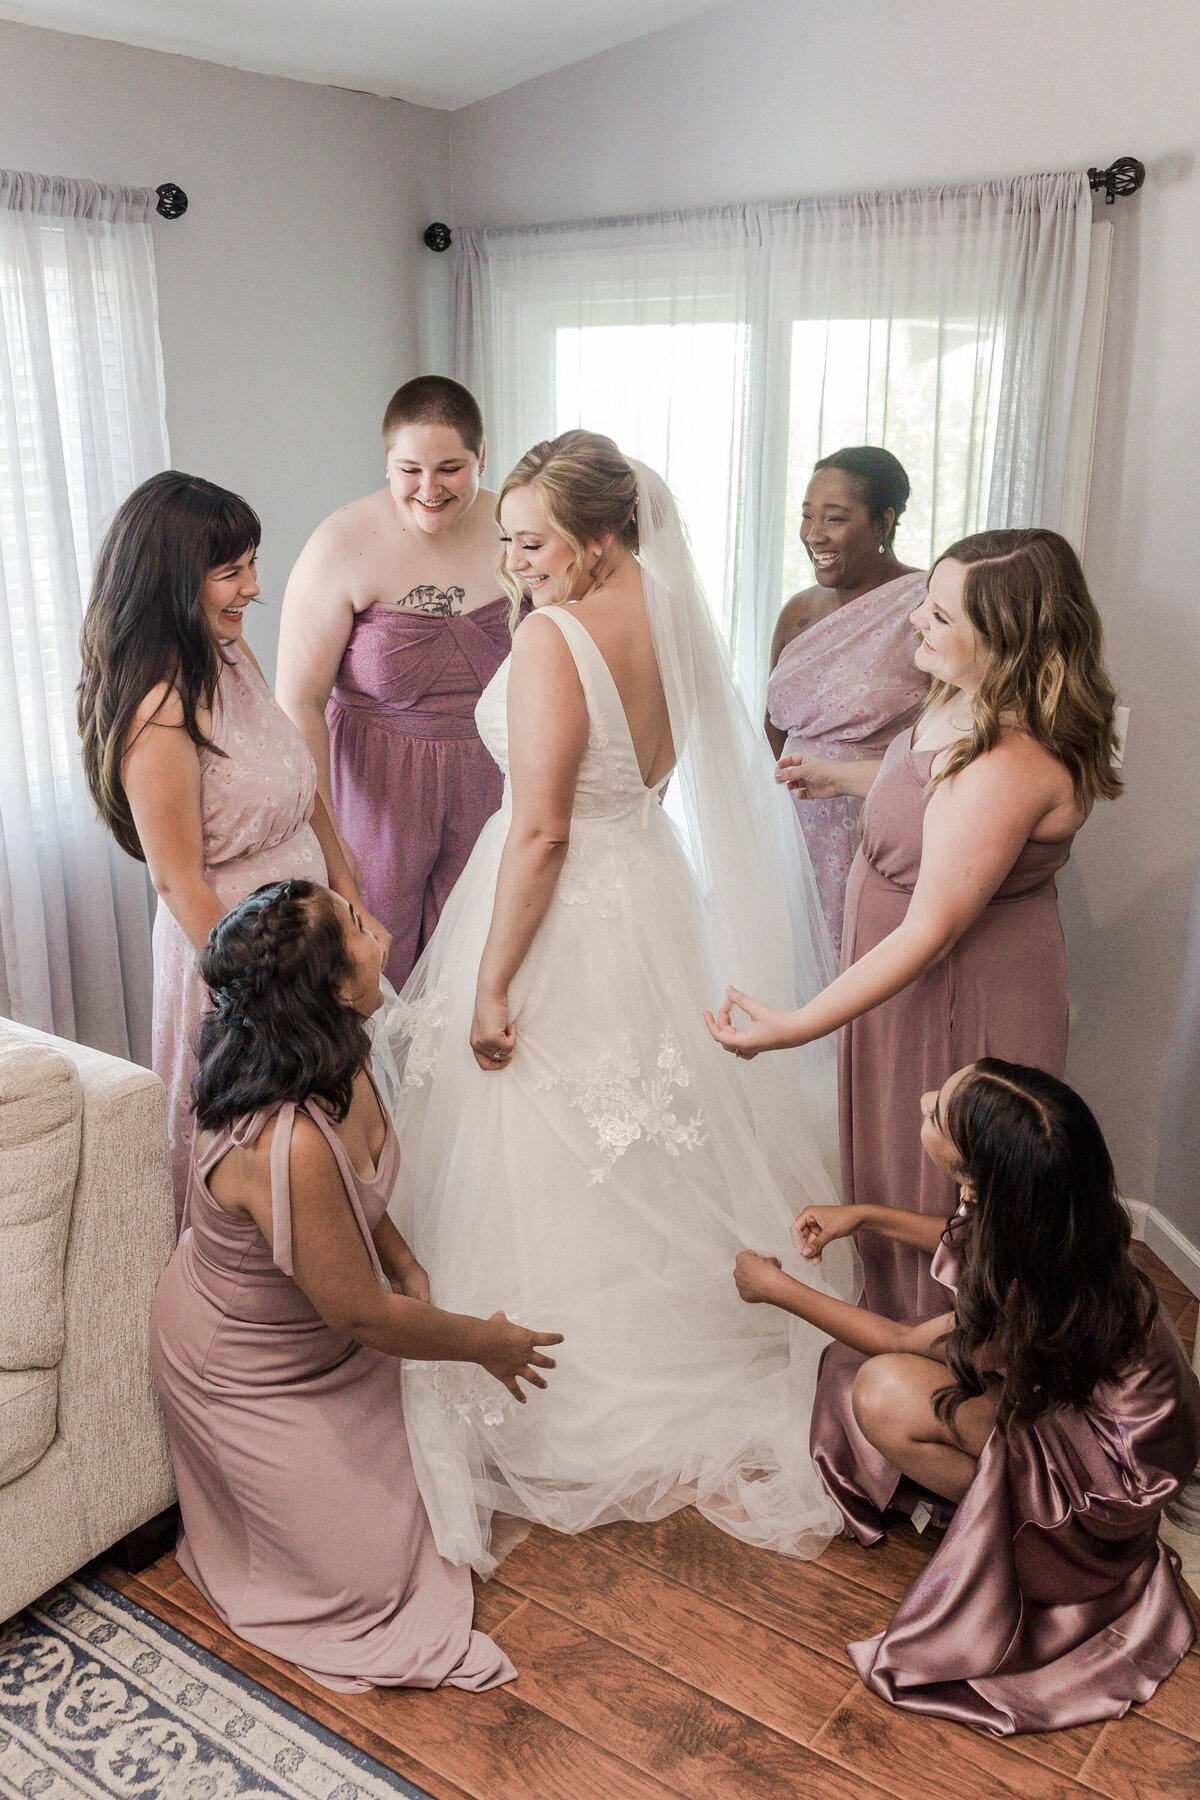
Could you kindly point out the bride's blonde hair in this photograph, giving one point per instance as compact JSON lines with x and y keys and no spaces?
{"x":587,"y":490}
{"x":1027,"y":599}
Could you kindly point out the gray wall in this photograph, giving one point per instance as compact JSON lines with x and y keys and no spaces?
{"x":771,"y":98}
{"x":293,"y":294}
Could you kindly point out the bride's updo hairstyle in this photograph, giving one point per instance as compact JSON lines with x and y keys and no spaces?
{"x":279,"y":1029}
{"x":1027,"y":599}
{"x":588,"y":491}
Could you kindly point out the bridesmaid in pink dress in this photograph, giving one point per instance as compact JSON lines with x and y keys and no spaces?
{"x":193,"y":766}
{"x":843,"y":680}
{"x":392,"y":627}
{"x":1073,"y":1419}
{"x":279,"y":1325}
{"x":952,"y":947}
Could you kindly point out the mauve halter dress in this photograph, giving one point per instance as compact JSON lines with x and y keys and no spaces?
{"x":412,"y":785}
{"x":1001,"y":991}
{"x":1051,"y":1600}
{"x":302,"y":1524}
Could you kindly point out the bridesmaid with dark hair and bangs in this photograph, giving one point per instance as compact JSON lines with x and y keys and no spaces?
{"x":193,"y":767}
{"x":1054,"y":1406}
{"x":953,"y":947}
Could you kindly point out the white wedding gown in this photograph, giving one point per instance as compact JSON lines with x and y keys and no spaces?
{"x":601,"y":1185}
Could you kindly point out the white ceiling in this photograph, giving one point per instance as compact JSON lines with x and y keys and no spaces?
{"x":443,"y":53}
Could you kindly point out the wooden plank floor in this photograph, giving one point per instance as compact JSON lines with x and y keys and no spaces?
{"x":670,"y":1662}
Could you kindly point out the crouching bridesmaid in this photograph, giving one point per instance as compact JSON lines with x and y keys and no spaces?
{"x":1054,"y":1406}
{"x":280,"y":1322}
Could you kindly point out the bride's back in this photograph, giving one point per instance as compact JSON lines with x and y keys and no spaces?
{"x":615,"y":618}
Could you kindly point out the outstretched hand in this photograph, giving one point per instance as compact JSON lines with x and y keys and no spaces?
{"x":756,"y":1276}
{"x":820,"y":1225}
{"x":811,"y":777}
{"x":512,"y":1354}
{"x":769,"y":1029}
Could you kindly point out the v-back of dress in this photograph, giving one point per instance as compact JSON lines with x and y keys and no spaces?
{"x":601,"y":1185}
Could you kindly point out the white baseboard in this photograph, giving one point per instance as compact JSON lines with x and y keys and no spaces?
{"x":1167,"y":1242}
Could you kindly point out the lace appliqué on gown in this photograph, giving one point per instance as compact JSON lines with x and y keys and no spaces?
{"x":468,"y":1395}
{"x":622,"y":1105}
{"x":420,"y":1022}
{"x":596,"y":869}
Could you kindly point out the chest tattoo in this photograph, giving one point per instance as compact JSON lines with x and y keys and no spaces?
{"x":445,"y":603}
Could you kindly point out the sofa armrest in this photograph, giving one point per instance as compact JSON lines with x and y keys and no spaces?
{"x":121,"y":1238}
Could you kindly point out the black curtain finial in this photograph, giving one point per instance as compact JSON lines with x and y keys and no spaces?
{"x":172,"y":201}
{"x":436,"y":237}
{"x":1120,"y":179}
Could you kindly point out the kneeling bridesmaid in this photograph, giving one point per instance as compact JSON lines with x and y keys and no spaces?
{"x":1055,"y":1406}
{"x":279,"y":1324}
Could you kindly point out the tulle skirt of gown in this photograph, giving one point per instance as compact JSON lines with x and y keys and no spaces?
{"x":601,"y":1185}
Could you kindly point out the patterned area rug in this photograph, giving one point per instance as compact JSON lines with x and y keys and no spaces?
{"x":101,"y":1701}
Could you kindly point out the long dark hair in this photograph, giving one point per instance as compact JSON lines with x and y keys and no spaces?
{"x":1048,"y":1283}
{"x":144,"y":623}
{"x":279,"y":1029}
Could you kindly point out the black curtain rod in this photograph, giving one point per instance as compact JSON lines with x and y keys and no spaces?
{"x":1120,"y":179}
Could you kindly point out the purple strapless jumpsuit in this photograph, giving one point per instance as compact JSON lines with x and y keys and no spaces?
{"x":412,"y":784}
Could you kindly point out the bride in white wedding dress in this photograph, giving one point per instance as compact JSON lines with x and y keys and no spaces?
{"x":573,"y":1147}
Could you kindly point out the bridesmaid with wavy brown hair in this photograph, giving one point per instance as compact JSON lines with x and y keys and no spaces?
{"x":953,"y":947}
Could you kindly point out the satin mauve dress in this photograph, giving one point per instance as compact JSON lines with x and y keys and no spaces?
{"x":302,"y":1524}
{"x":1001,"y":991}
{"x":255,"y":806}
{"x":1051,"y":1600}
{"x":412,"y":785}
{"x":843,"y":688}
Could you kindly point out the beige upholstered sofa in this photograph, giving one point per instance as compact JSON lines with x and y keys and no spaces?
{"x":86,"y":1228}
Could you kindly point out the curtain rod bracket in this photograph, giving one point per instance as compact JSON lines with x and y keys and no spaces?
{"x":1120,"y":179}
{"x":172,"y":201}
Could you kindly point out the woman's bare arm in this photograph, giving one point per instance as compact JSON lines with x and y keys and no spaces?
{"x":975,"y":828}
{"x":760,"y":1279}
{"x":547,"y":736}
{"x":825,"y":778}
{"x":161,"y":774}
{"x":331,"y":1267}
{"x":788,"y":625}
{"x":314,"y":629}
{"x":818,"y":1226}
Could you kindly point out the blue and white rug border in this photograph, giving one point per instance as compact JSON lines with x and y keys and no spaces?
{"x":94,"y":1584}
{"x":195,"y":1701}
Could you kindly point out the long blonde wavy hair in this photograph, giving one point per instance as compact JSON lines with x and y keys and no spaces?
{"x":587,"y":490}
{"x":1026,"y":598}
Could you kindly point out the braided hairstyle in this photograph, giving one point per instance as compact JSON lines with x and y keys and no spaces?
{"x":279,"y":1028}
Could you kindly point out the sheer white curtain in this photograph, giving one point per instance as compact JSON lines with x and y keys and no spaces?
{"x":731,"y":348}
{"x":81,"y":423}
